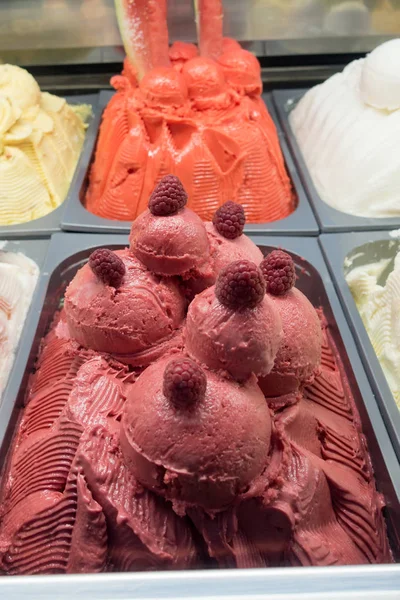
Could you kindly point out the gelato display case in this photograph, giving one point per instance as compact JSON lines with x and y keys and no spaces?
{"x":209,"y":204}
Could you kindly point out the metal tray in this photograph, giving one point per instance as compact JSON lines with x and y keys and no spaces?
{"x":364,"y":248}
{"x":329,"y":219}
{"x":36,"y":250}
{"x":51,"y":223}
{"x":66,"y":254}
{"x":77,"y":218}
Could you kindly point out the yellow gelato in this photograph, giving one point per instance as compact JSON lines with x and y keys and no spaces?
{"x":41,"y":137}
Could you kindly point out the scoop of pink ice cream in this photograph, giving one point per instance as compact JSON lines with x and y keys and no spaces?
{"x":144,"y":311}
{"x":225,"y":251}
{"x":240,"y":342}
{"x":204,"y":454}
{"x":299,"y":353}
{"x":170,"y":245}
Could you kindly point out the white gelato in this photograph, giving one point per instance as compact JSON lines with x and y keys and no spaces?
{"x":18,"y":277}
{"x":348,"y":130}
{"x":379,"y":307}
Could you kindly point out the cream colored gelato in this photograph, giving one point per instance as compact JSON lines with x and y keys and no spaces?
{"x":18,"y":277}
{"x":41,"y":137}
{"x":348,"y":130}
{"x":379,"y":307}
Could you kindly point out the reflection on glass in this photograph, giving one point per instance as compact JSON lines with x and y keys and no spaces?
{"x":84,"y":26}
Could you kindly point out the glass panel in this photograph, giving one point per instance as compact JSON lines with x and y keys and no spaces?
{"x":81,"y":31}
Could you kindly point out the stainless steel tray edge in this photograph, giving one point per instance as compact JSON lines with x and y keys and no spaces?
{"x":51,"y":223}
{"x":77,"y":218}
{"x":329,"y":219}
{"x":377,"y":582}
{"x":335,"y":248}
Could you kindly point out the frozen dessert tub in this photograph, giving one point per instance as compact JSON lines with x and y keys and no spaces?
{"x":66,"y":254}
{"x":343,"y":252}
{"x":77,"y":218}
{"x":36,"y":251}
{"x":51,"y":223}
{"x":329,"y":219}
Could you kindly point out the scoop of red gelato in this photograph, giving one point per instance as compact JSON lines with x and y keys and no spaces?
{"x":299,"y":353}
{"x":144,"y":311}
{"x":239,"y":342}
{"x":203,"y":454}
{"x":170,"y":245}
{"x":226,"y":251}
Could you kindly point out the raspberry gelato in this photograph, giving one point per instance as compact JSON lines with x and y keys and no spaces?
{"x":134,"y":320}
{"x":195,"y":113}
{"x":183,"y":460}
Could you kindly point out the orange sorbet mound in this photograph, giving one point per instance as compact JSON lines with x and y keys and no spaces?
{"x":200,"y":119}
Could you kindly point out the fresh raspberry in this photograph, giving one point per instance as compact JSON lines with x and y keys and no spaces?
{"x":107,"y":266}
{"x":279,"y":272}
{"x":229,"y":220}
{"x":184,"y":382}
{"x":168,"y":197}
{"x":240,"y":285}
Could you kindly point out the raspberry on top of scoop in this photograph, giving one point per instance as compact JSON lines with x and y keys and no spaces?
{"x":184,"y":382}
{"x":240,"y":285}
{"x":279,"y":272}
{"x":107,"y":266}
{"x":229,"y":220}
{"x":168,"y":197}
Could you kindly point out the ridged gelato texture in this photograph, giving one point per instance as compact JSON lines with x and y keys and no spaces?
{"x":347,"y":129}
{"x":182,"y":461}
{"x":201,"y":120}
{"x":379,"y":307}
{"x":18,"y":277}
{"x":41,"y":138}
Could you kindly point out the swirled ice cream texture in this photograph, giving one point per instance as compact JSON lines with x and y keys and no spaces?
{"x":379,"y":308}
{"x":41,"y":138}
{"x":18,"y":277}
{"x":348,"y":128}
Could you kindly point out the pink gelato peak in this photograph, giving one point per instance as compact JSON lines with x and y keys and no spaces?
{"x":299,"y":354}
{"x":205,"y":456}
{"x":142,"y":313}
{"x":170,"y":244}
{"x":236,"y":342}
{"x":163,"y":87}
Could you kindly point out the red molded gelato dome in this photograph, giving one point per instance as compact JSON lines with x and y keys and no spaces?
{"x":204,"y":455}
